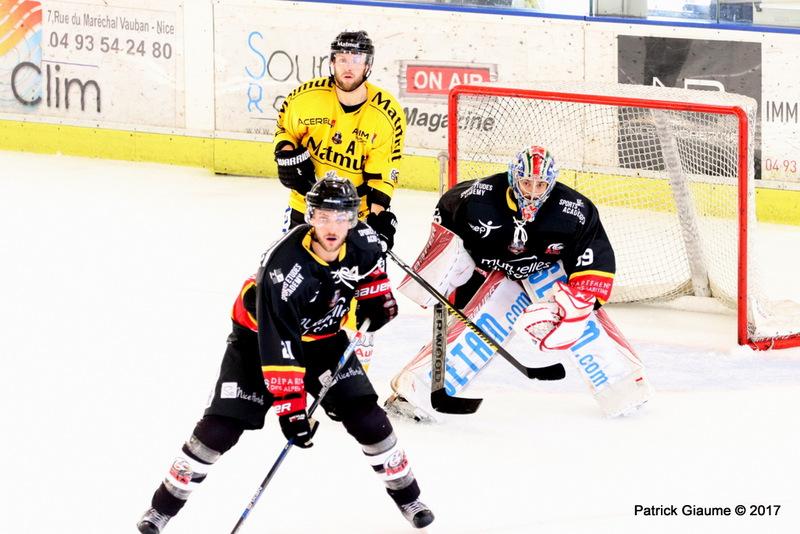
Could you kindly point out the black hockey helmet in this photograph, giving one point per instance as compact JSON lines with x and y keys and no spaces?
{"x":336,"y":194}
{"x":354,"y":43}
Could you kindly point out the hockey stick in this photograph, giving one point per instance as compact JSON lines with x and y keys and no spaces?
{"x":440,"y":400}
{"x":549,"y":372}
{"x":328,"y":382}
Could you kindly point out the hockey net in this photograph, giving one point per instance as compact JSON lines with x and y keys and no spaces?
{"x":671,"y":171}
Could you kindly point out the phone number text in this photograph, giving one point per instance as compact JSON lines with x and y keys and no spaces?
{"x":110,"y":45}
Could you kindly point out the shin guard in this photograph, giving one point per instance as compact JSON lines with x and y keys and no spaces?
{"x":390,"y":463}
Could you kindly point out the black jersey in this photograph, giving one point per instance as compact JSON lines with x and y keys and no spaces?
{"x":567,"y":228}
{"x":301,"y":297}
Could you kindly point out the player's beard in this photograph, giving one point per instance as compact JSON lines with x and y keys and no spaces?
{"x":329,"y":245}
{"x":349,"y":86}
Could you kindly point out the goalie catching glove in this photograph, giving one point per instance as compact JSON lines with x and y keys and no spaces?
{"x":296,"y":169}
{"x":557,"y":324}
{"x":375,"y":301}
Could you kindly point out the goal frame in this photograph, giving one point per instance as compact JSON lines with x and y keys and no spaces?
{"x":743,"y":336}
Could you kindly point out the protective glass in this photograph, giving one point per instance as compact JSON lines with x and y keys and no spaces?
{"x":321,"y":217}
{"x":347,"y":58}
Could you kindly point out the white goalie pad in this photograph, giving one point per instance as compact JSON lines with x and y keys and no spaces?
{"x":443,"y":263}
{"x":494,"y":308}
{"x":602,"y":355}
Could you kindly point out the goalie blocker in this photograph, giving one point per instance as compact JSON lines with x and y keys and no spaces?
{"x":591,"y":341}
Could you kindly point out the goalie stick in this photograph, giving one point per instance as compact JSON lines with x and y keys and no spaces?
{"x":440,"y":400}
{"x":549,"y":372}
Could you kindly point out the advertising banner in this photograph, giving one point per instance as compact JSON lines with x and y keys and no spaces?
{"x":419,"y":56}
{"x":727,"y":66}
{"x":96,"y":62}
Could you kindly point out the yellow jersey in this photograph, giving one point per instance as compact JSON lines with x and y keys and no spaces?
{"x":364,"y":145}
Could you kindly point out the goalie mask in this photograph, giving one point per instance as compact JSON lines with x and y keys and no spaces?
{"x":532,"y":165}
{"x":334,"y":194}
{"x":358,"y":45}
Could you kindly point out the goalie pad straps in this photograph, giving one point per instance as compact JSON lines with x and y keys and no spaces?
{"x":444,"y":263}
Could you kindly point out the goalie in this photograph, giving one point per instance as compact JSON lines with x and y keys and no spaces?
{"x":519,"y":251}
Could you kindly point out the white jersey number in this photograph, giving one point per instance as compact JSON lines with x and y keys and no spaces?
{"x":587,"y":258}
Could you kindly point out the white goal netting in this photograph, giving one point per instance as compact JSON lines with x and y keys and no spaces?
{"x":663,"y":166}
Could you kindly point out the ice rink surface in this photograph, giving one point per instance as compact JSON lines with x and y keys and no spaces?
{"x":115,"y":290}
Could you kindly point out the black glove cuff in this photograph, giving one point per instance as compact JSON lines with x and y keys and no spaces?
{"x":292,"y":158}
{"x":378,"y":197}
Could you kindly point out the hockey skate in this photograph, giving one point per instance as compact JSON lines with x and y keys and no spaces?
{"x":398,"y":406}
{"x":417,"y":513}
{"x":152,"y":522}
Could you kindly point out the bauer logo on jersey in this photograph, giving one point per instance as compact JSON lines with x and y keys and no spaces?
{"x":554,"y":248}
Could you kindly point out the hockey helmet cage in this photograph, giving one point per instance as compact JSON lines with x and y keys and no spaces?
{"x":534,"y":163}
{"x":335,"y":194}
{"x":354,"y":43}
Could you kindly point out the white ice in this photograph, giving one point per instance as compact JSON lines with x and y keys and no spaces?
{"x":115,"y":289}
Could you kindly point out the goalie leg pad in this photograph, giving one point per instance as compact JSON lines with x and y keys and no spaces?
{"x":444,"y":263}
{"x":495,"y":307}
{"x":625,"y":396}
{"x":610,"y":366}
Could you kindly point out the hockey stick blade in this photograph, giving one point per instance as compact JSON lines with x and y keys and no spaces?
{"x":550,"y":372}
{"x":440,"y":400}
{"x":444,"y":403}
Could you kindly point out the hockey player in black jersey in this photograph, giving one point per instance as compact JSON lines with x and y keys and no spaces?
{"x":291,"y":315}
{"x":523,"y":224}
{"x":523,"y":235}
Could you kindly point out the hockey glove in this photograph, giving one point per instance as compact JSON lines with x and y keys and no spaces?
{"x":296,"y":169}
{"x":375,"y":301}
{"x":385,"y":225}
{"x":295,"y":423}
{"x":557,"y":325}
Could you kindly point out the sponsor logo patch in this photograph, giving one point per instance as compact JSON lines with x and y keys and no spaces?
{"x":554,"y":248}
{"x":291,"y":282}
{"x":276,"y":276}
{"x":227,"y":390}
{"x":483,"y":228}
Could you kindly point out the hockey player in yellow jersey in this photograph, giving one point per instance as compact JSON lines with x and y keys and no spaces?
{"x":345,"y":124}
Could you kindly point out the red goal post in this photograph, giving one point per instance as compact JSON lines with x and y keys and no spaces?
{"x":671,"y":171}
